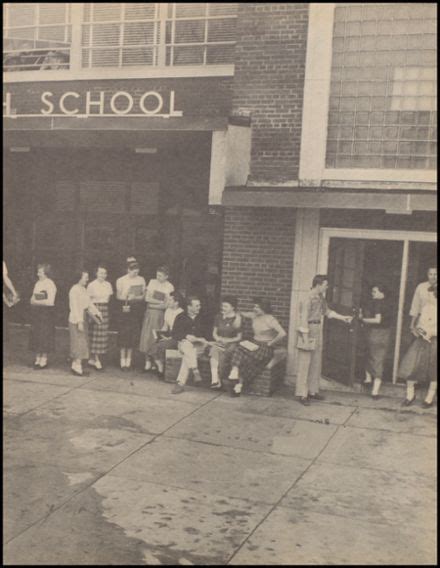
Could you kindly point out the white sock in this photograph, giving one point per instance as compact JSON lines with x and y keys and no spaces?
{"x":238,"y":388}
{"x":43,"y":360}
{"x":368,"y":378}
{"x":98,"y":364}
{"x":77,"y":367}
{"x":159,"y":366}
{"x":376,"y":386}
{"x":431,"y":392}
{"x":234,"y":374}
{"x":410,"y":390}
{"x":214,"y":375}
{"x":123,"y":362}
{"x":38,"y":360}
{"x":147,"y":364}
{"x":128,"y":361}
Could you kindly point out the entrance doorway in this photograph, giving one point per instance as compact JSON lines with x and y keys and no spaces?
{"x":354,"y":262}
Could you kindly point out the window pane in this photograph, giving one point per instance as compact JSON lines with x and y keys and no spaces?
{"x":188,"y":55}
{"x":106,"y":11}
{"x":106,"y":34}
{"x":140,"y":11}
{"x":105,"y":58}
{"x":21,"y":14}
{"x":186,"y":10}
{"x":190,"y":31}
{"x":139,"y":33}
{"x":137,"y":56}
{"x":52,"y":14}
{"x":222,"y":30}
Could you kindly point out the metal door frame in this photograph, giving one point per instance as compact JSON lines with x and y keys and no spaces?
{"x":326,"y":233}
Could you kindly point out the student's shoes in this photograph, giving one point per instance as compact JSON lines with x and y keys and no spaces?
{"x":215,"y":386}
{"x":427,"y":404}
{"x":177,"y":389}
{"x":160,"y":375}
{"x":303,"y":400}
{"x":92,"y":363}
{"x":316,"y":396}
{"x":77,"y":373}
{"x":44,"y":366}
{"x":408,"y":402}
{"x":375,"y":396}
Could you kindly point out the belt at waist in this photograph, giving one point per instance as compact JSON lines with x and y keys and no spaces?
{"x":314,"y":321}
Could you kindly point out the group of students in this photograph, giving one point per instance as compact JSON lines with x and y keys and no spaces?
{"x":153,"y":318}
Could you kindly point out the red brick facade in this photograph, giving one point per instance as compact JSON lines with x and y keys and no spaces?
{"x":258,"y":257}
{"x":269,"y":84}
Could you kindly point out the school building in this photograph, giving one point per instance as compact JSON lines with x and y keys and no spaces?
{"x":248,"y":145}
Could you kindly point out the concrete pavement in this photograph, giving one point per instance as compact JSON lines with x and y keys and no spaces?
{"x":113,"y":469}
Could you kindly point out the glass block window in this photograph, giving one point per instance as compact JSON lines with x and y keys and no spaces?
{"x":383,"y":95}
{"x":120,"y":34}
{"x":36,"y":36}
{"x":200,"y":34}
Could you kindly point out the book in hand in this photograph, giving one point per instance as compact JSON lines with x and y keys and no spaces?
{"x":159,"y":296}
{"x":306,"y":343}
{"x":136,"y":291}
{"x":41,"y":295}
{"x":249,"y":345}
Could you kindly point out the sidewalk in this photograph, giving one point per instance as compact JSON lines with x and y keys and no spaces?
{"x":113,"y":469}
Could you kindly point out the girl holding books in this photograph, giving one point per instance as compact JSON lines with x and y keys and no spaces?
{"x":42,"y":334}
{"x":227,"y":333}
{"x":79,"y":303}
{"x":250,"y":357}
{"x":100,"y":292}
{"x":157,"y":298}
{"x":130,"y":292}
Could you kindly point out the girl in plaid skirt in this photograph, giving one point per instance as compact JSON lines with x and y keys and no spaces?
{"x":100,"y":292}
{"x":250,"y":357}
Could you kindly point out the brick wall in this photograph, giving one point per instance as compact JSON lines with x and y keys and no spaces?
{"x":258,"y":257}
{"x":269,"y":83}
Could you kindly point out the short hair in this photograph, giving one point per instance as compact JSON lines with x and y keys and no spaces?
{"x":191,"y":298}
{"x":232,"y":300}
{"x":381,"y":287}
{"x":178,"y":297}
{"x":163,"y":268}
{"x":264,"y":304}
{"x":133,"y":265}
{"x":431,"y":266}
{"x":79,"y":274}
{"x":319,"y":279}
{"x":47,"y":269}
{"x":101,"y":265}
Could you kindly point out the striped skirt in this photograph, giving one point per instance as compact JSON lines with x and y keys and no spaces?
{"x":251,"y":363}
{"x":98,"y":333}
{"x":42,"y":334}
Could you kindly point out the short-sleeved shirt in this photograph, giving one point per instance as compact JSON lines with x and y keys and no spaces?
{"x":47,"y":285}
{"x":228,"y":327}
{"x":422,"y":296}
{"x":265,"y":327}
{"x":100,"y":292}
{"x":313,"y":308}
{"x":124,"y":283}
{"x":162,"y":289}
{"x":381,"y":307}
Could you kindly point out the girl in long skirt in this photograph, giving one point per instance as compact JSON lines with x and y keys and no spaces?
{"x":157,"y":298}
{"x":249,"y":359}
{"x":100,"y":292}
{"x":419,"y":365}
{"x":378,"y":333}
{"x":130,"y":292}
{"x":42,"y":334}
{"x":79,"y":303}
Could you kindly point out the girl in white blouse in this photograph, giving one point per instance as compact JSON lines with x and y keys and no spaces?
{"x":100,"y":292}
{"x":79,"y":303}
{"x":130,"y":292}
{"x":157,"y":298}
{"x":42,"y":334}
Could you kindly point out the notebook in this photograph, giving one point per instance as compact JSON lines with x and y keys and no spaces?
{"x":159,"y":296}
{"x":137,"y":291}
{"x":249,"y":345}
{"x":41,"y":295}
{"x":306,"y":343}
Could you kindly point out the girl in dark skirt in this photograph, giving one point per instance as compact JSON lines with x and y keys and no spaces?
{"x":249,"y":358}
{"x":42,"y":334}
{"x":100,"y":292}
{"x":130,"y":292}
{"x":377,"y":319}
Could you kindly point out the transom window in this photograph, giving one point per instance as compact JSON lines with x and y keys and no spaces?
{"x":111,"y":34}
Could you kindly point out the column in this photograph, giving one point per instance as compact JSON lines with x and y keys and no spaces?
{"x":305,"y":264}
